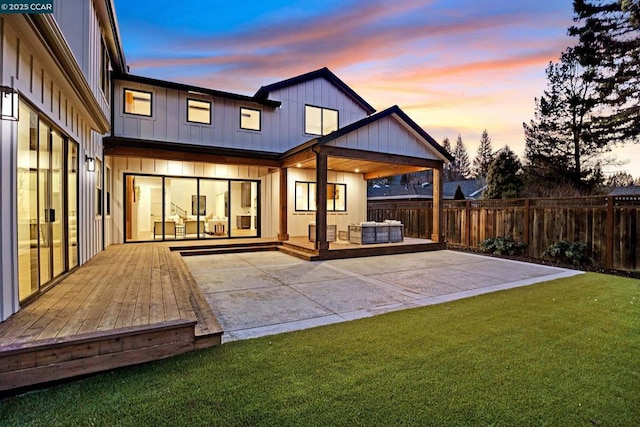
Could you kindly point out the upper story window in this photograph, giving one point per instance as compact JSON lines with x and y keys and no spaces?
{"x":249,"y":118}
{"x":198,"y":111}
{"x":137,"y":102}
{"x":320,"y":121}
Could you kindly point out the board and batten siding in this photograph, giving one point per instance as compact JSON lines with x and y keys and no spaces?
{"x":298,"y":222}
{"x":282,"y":128}
{"x":385,"y":136}
{"x":78,"y":21}
{"x":29,"y":68}
{"x":319,"y":93}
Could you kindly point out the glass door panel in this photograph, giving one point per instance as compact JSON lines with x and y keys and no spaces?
{"x":244,"y":208}
{"x":27,"y":211}
{"x":56,"y":210}
{"x":185,"y":210}
{"x":72,"y":206}
{"x":144,"y":208}
{"x":44,"y":195}
{"x":217,"y":207}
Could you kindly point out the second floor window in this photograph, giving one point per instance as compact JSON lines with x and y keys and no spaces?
{"x":198,"y":111}
{"x":249,"y":119}
{"x":137,"y":102}
{"x":320,"y":121}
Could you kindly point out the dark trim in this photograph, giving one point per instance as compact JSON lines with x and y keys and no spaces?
{"x":179,"y":151}
{"x":295,"y":193}
{"x":204,"y":102}
{"x":124,"y":102}
{"x":263,"y":92}
{"x":373,"y":118}
{"x":186,"y":88}
{"x":259,"y":119}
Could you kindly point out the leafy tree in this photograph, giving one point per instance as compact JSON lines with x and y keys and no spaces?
{"x":609,"y":43}
{"x":460,"y":167}
{"x":504,"y":178}
{"x":484,"y":157}
{"x":619,"y":179}
{"x":447,"y":171}
{"x":560,"y":145}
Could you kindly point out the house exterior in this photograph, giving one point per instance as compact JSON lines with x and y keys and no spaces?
{"x":93,"y":155}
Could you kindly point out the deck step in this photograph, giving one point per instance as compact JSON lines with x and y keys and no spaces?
{"x":228,"y":250}
{"x":181,"y":248}
{"x":299,"y":252}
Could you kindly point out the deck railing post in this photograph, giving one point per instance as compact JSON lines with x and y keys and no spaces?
{"x":609,"y":232}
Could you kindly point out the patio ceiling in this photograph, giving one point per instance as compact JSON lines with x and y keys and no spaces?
{"x":370,"y":169}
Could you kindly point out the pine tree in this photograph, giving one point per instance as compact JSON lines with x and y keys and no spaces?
{"x":461,"y":167}
{"x":504,"y":178}
{"x":619,"y":179}
{"x":447,"y":170}
{"x":560,"y":146}
{"x":609,"y":42}
{"x":484,"y":157}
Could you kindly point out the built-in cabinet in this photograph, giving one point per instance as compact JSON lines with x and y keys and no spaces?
{"x":243,"y":222}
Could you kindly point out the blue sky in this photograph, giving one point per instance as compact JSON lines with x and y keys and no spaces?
{"x":455,"y":66}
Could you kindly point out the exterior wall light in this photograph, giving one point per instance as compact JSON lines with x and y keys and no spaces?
{"x":91,"y":163}
{"x":9,"y":103}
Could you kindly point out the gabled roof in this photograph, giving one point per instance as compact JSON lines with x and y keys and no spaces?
{"x":325,"y":73}
{"x":629,"y":190}
{"x":378,"y":116}
{"x":185,"y":87}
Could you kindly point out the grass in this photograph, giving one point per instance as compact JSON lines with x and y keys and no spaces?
{"x":565,"y":352}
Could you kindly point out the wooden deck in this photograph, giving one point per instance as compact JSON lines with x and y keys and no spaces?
{"x":129,"y":304}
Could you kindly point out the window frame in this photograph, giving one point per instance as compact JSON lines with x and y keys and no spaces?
{"x":341,"y":187}
{"x":259,"y":119}
{"x":124,"y":97}
{"x":203,"y":102}
{"x":99,"y":205}
{"x":322,"y":111}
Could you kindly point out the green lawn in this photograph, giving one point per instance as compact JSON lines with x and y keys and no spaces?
{"x":565,"y":352}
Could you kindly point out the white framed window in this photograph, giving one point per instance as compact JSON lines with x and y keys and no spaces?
{"x":137,"y":102}
{"x":250,"y":118}
{"x":320,"y":121}
{"x":198,"y":111}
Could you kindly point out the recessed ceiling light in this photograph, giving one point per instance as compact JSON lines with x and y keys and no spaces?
{"x":299,"y":165}
{"x":357,"y":170}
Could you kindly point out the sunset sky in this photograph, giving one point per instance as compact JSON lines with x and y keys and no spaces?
{"x":455,"y":66}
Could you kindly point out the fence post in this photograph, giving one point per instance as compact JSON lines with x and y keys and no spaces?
{"x":609,"y":233}
{"x":526,"y":232}
{"x":467,"y":223}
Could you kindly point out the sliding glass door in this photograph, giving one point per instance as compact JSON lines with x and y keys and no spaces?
{"x":168,"y":208}
{"x":44,"y":181}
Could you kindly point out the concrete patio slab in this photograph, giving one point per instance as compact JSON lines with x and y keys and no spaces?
{"x":264,"y":293}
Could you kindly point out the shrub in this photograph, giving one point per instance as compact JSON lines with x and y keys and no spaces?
{"x":503,"y":246}
{"x":573,"y":253}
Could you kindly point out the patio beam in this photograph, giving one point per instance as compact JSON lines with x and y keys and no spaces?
{"x":394,"y":159}
{"x":283,"y":233}
{"x":437,"y":236}
{"x":321,"y":202}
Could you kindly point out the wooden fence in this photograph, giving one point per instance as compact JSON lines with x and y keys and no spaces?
{"x":610,"y":226}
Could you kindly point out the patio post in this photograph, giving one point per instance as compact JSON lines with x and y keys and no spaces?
{"x":283,"y":233}
{"x":437,"y":235}
{"x":321,"y":201}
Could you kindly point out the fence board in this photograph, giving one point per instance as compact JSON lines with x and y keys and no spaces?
{"x":540,"y":222}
